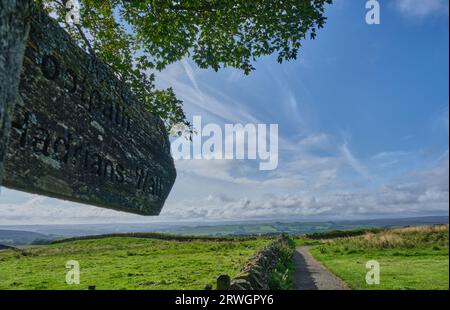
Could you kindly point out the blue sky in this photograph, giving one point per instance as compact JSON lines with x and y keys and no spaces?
{"x":363,"y":121}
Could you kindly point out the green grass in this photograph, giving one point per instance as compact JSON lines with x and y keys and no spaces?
{"x":303,"y":241}
{"x":410,"y":258}
{"x":127,"y":263}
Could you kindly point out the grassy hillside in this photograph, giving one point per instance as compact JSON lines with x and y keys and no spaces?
{"x":127,"y":263}
{"x":410,"y":258}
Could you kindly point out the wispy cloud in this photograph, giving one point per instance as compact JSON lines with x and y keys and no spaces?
{"x":422,"y":8}
{"x":351,"y":160}
{"x":200,"y":99}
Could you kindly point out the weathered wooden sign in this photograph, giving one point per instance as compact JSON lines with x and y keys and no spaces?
{"x":14,"y":28}
{"x":78,"y":134}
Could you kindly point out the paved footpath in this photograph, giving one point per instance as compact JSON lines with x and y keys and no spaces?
{"x":312,"y":275}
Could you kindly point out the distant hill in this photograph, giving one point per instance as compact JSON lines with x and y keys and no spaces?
{"x":29,"y":234}
{"x":19,"y":237}
{"x":299,"y":228}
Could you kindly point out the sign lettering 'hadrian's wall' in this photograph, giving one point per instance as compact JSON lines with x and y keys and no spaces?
{"x":78,"y":134}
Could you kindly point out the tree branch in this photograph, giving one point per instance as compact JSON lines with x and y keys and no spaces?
{"x":62,"y":3}
{"x":85,"y":39}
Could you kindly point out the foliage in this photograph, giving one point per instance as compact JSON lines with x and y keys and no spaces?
{"x":161,"y":236}
{"x":137,"y":37}
{"x":340,"y":233}
{"x":301,"y":240}
{"x":126,"y":263}
{"x":40,"y":241}
{"x":282,"y":277}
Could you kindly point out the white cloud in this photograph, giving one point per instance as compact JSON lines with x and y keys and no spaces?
{"x":422,"y":8}
{"x":423,"y":192}
{"x":44,"y":210}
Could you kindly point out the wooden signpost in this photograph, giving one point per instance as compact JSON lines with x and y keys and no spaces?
{"x":78,"y":134}
{"x":14,"y":27}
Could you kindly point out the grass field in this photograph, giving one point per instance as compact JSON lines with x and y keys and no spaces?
{"x":410,"y":258}
{"x":126,"y":263}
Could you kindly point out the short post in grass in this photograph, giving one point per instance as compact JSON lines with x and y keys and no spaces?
{"x":223,"y":282}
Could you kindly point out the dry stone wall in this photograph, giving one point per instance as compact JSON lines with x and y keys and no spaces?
{"x":255,"y":275}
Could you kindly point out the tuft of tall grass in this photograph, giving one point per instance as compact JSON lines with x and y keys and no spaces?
{"x":409,"y":237}
{"x":423,"y":229}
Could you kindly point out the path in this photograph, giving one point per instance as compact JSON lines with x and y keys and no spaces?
{"x":311,"y":275}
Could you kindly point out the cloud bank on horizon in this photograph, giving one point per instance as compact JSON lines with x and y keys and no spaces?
{"x":363,"y":123}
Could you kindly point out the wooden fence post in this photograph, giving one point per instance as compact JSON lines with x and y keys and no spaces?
{"x":223,"y":283}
